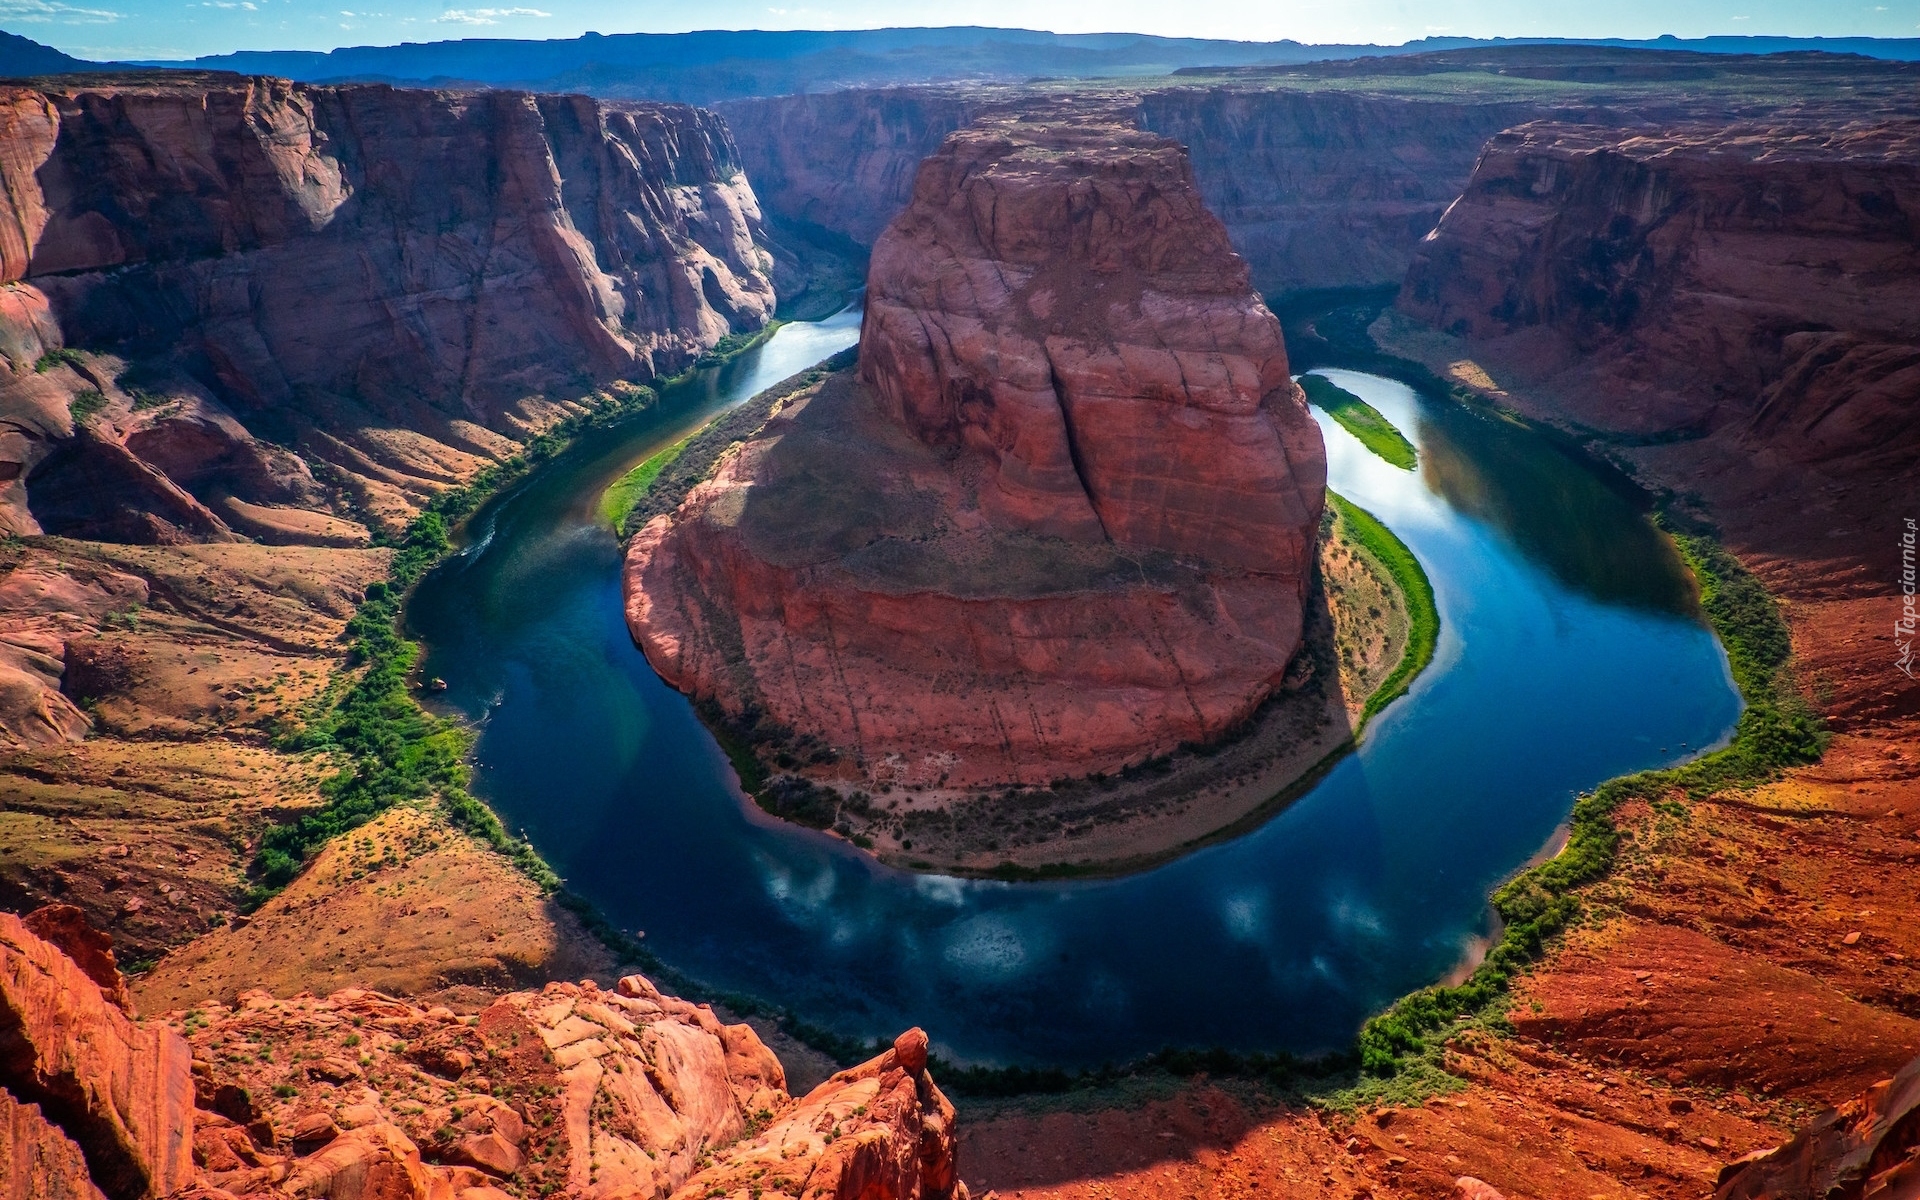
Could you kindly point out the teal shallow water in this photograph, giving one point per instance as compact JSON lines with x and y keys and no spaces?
{"x":1568,"y":654}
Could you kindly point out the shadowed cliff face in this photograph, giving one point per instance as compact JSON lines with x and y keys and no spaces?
{"x":1326,"y":189}
{"x":345,"y":269}
{"x":1316,"y":190}
{"x":1762,"y":282}
{"x":1061,"y":520}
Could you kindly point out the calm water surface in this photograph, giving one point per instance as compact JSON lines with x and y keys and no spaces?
{"x":1569,"y":653}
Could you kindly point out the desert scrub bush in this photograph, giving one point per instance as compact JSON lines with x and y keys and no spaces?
{"x":86,"y":403}
{"x":55,"y":358}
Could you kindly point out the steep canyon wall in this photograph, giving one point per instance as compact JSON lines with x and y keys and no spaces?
{"x":389,"y":280}
{"x":1317,"y":189}
{"x":1735,"y":308}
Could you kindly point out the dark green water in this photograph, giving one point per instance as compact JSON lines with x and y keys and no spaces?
{"x":1568,"y":654}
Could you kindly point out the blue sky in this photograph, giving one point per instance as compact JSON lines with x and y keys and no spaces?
{"x":184,"y":28}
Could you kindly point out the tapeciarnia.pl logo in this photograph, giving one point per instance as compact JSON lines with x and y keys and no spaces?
{"x":1903,"y":629}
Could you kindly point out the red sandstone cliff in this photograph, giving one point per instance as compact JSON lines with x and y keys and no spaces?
{"x":1867,"y":1149}
{"x":1317,"y":189}
{"x":1759,"y":282}
{"x":357,"y":1096}
{"x":845,"y":160}
{"x":1060,"y":522}
{"x":389,"y":280}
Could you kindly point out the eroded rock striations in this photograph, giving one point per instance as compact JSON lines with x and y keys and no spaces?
{"x":1867,"y":1147}
{"x":573,"y":1090}
{"x":1325,"y":189}
{"x":1760,"y":282}
{"x":397,"y":283}
{"x":1060,"y":521}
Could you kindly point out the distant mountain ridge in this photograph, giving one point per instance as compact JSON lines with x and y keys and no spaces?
{"x":712,"y":65}
{"x":23,"y":58}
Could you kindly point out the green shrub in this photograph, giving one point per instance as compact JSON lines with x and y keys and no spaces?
{"x":395,"y":750}
{"x":85,"y":403}
{"x":1423,"y":614}
{"x":736,"y":343}
{"x":54,"y":358}
{"x":618,"y":501}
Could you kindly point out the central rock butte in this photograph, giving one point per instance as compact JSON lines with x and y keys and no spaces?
{"x":1059,"y":521}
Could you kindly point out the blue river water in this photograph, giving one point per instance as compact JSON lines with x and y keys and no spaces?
{"x":1570,"y":652}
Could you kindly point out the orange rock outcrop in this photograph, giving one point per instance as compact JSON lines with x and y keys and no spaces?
{"x":1061,"y":519}
{"x":1868,"y":1147}
{"x":600,"y":1095}
{"x":119,"y":1090}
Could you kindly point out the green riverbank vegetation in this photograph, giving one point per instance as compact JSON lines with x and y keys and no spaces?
{"x":390,"y":749}
{"x":1777,"y":730}
{"x":618,"y":501}
{"x":659,"y":484}
{"x":731,"y":346}
{"x":1398,"y":1056}
{"x":1362,"y":420}
{"x":1362,"y":528}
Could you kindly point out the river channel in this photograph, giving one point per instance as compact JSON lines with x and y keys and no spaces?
{"x":1570,"y":651}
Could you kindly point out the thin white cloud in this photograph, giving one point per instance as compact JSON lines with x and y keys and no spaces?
{"x":481,"y":16}
{"x":42,"y":11}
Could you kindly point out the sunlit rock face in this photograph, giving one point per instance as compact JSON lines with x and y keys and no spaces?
{"x":616,"y":1094}
{"x":394,"y":281}
{"x":1756,"y":281}
{"x":1061,"y":517}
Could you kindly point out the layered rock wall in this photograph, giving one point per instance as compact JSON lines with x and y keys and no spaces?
{"x":390,"y":279}
{"x":844,"y":161}
{"x":1059,"y":523}
{"x":1757,"y":280}
{"x":1317,"y":189}
{"x":82,"y":1080}
{"x":1327,"y":189}
{"x":1059,"y":300}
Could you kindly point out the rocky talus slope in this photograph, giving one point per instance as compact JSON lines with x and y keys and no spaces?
{"x":572,"y":1090}
{"x":1061,"y":519}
